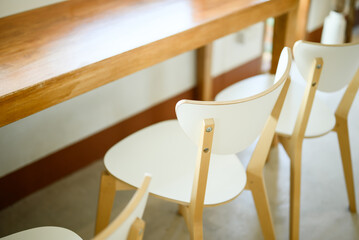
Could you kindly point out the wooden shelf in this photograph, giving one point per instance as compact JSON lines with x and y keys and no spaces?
{"x":52,"y":54}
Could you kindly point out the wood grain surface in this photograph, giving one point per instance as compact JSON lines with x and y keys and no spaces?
{"x":52,"y":54}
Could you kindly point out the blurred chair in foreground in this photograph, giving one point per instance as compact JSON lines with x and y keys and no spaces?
{"x":128,"y":225}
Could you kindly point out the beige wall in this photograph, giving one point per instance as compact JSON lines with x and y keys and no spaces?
{"x":36,"y":136}
{"x":319,"y":9}
{"x":9,"y":7}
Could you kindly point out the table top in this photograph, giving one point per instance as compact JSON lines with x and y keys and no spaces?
{"x":54,"y":53}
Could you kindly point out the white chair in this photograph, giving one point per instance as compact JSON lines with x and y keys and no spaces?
{"x":193,"y":159}
{"x":128,"y":225}
{"x":326,"y":68}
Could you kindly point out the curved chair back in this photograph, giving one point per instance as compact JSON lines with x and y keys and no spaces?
{"x":340,"y":63}
{"x":130,"y":218}
{"x":237,"y":123}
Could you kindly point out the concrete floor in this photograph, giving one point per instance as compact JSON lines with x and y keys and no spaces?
{"x":71,"y":202}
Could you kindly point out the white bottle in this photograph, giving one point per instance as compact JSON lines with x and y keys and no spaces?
{"x":334,"y":28}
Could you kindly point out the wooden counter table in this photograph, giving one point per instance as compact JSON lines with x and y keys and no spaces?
{"x":54,"y":53}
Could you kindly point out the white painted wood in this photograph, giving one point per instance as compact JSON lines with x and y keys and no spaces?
{"x":246,"y":88}
{"x":321,"y":119}
{"x":238,"y":123}
{"x":44,"y":233}
{"x":165,"y":151}
{"x":340,"y":63}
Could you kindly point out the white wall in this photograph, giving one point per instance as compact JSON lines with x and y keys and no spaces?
{"x":43,"y":133}
{"x":236,"y":49}
{"x":319,"y":9}
{"x":9,"y":7}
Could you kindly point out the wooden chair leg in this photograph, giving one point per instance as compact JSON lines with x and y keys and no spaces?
{"x":197,"y":230}
{"x":344,"y":144}
{"x":295,"y":185}
{"x":195,"y":225}
{"x":184,"y":212}
{"x":294,"y":152}
{"x":275,"y":141}
{"x":274,"y":144}
{"x":137,"y":229}
{"x":181,"y":210}
{"x":105,"y":201}
{"x":262,"y":205}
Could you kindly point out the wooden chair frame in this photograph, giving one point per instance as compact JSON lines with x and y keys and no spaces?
{"x":293,"y":144}
{"x":108,"y":186}
{"x":132,"y":209}
{"x":193,"y":212}
{"x":255,"y":179}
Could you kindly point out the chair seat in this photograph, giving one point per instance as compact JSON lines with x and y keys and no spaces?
{"x":44,"y":233}
{"x":164,"y":151}
{"x":321,"y":120}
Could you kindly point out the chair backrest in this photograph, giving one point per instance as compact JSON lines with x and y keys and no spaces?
{"x":237,"y":123}
{"x":340,"y":63}
{"x":120,"y":228}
